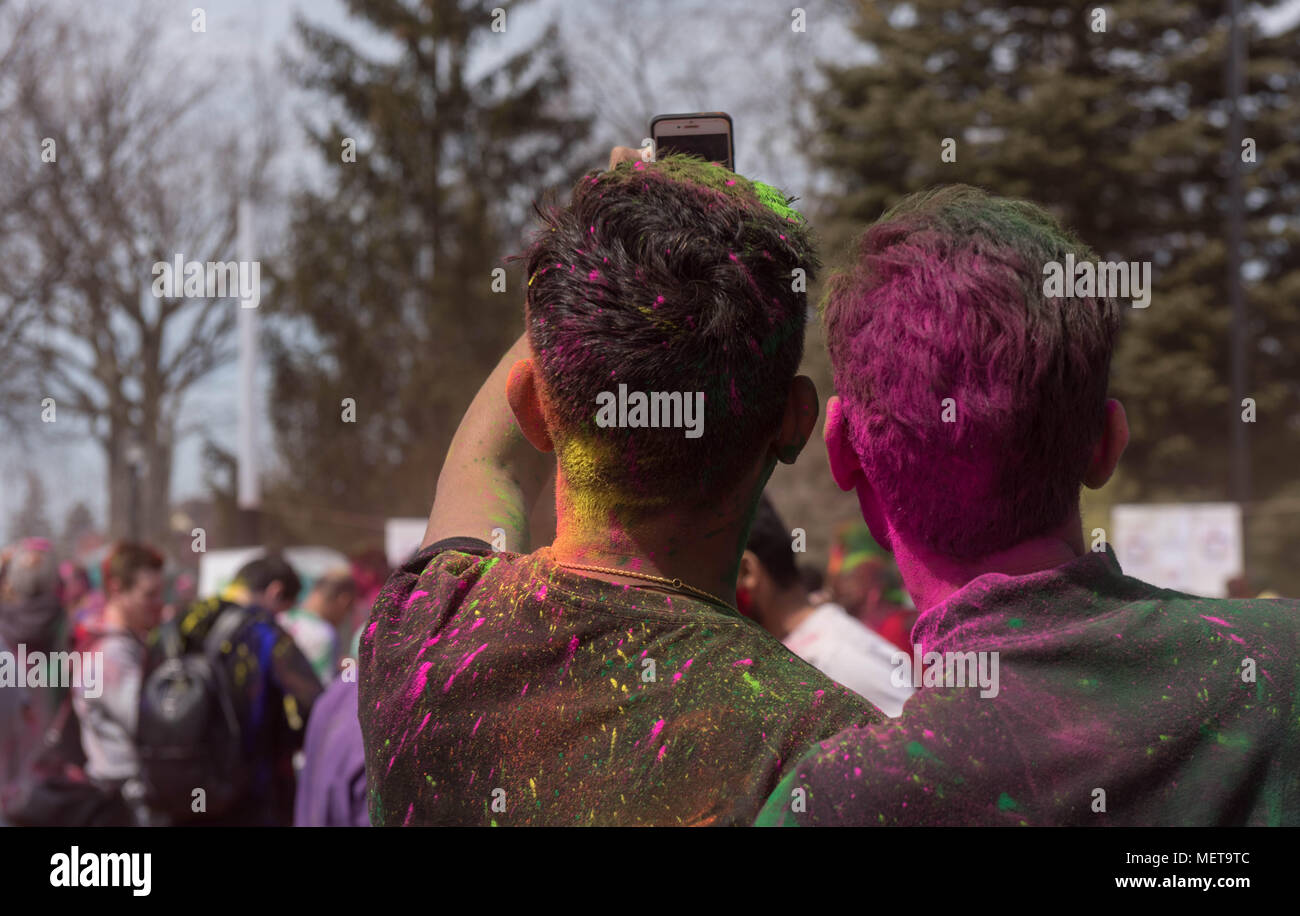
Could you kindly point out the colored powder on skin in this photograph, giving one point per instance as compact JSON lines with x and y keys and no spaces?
{"x":590,"y":497}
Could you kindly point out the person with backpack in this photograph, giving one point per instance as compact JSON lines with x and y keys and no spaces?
{"x":224,"y":706}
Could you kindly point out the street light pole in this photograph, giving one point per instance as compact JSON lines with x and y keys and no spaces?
{"x":134,"y":460}
{"x":1240,"y":473}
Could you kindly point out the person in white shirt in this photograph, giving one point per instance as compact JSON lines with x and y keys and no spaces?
{"x":133,"y":581}
{"x":771,"y":592}
{"x":314,"y":625}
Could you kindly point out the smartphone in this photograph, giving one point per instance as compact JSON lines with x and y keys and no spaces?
{"x":706,"y":134}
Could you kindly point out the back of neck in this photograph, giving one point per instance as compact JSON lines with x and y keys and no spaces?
{"x":931,"y":578}
{"x":702,"y":548}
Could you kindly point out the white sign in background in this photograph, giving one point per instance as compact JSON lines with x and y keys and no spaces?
{"x":1191,"y":547}
{"x":402,"y":537}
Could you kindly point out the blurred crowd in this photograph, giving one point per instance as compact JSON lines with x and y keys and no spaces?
{"x":241,"y":708}
{"x":127,"y":699}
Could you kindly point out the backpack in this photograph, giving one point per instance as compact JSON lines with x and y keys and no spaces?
{"x":189,"y":734}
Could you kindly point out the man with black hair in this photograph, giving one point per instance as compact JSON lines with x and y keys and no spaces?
{"x":608,"y":678}
{"x":268,"y":582}
{"x":771,"y":591}
{"x":274,"y":686}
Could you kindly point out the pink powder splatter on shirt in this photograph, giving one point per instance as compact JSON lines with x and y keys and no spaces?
{"x":743,"y":661}
{"x":465,"y":663}
{"x":421,"y":677}
{"x":415,"y":596}
{"x":1222,"y":623}
{"x":478,"y":623}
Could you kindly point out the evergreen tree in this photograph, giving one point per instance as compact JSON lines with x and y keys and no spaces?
{"x":389,"y":279}
{"x":32,"y":519}
{"x":78,"y":522}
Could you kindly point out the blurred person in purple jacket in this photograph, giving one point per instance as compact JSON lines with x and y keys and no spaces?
{"x":332,"y":784}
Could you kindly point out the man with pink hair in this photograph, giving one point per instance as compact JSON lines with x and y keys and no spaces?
{"x":1055,"y":690}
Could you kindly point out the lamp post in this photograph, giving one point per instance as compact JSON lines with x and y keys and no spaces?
{"x":1240,"y":461}
{"x":134,"y":462}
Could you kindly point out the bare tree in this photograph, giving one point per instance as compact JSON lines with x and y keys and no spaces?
{"x":119,"y":155}
{"x":15,"y":316}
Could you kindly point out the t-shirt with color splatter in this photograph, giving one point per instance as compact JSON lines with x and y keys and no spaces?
{"x":498,"y":688}
{"x":1118,"y":703}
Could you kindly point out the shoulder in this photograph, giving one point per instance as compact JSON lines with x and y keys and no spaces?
{"x":765,"y":676}
{"x":426,"y":589}
{"x":439,"y":571}
{"x":899,"y":771}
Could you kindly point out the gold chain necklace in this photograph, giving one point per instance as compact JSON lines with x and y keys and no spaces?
{"x":673,"y":583}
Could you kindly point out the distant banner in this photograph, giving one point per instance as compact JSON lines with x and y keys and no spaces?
{"x":1190,"y":547}
{"x":402,"y":537}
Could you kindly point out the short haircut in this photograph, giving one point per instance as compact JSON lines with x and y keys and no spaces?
{"x":126,"y":560}
{"x":668,"y":276}
{"x":260,"y":573}
{"x":334,"y":583}
{"x":813,"y":579}
{"x":769,"y":539}
{"x":946,"y":300}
